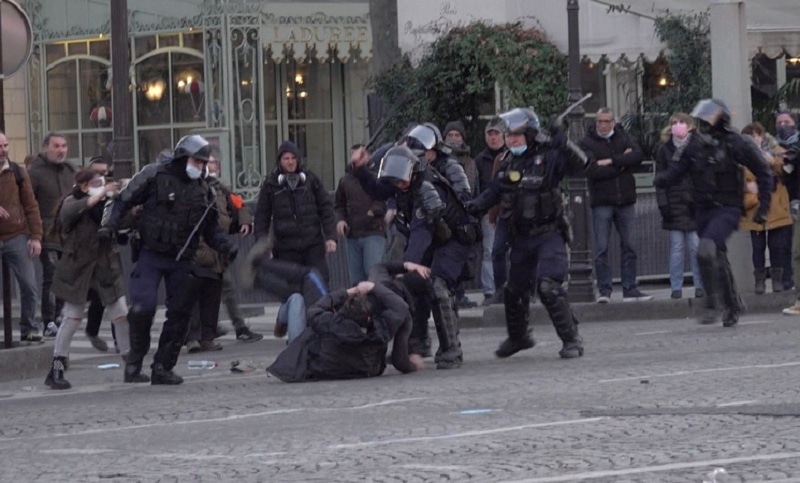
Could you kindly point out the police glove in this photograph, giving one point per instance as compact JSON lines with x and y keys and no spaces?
{"x":106,"y":234}
{"x":475,"y":210}
{"x":761,"y":215}
{"x":794,"y":208}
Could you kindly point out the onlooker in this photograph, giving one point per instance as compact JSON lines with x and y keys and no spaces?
{"x":486,"y":163}
{"x":789,"y":140}
{"x":612,"y":190}
{"x":20,"y":236}
{"x":52,"y":177}
{"x":776,"y":233}
{"x":677,"y":207}
{"x":347,"y":337}
{"x":87,"y":263}
{"x":360,"y":219}
{"x":296,"y":209}
{"x":209,"y":267}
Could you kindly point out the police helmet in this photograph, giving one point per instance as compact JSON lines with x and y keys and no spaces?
{"x":712,"y":111}
{"x":398,"y":164}
{"x":194,"y":146}
{"x":424,"y":137}
{"x":522,"y":120}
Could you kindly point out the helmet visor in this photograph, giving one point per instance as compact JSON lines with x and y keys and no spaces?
{"x":425,"y":136}
{"x":396,"y":167}
{"x":709,"y":111}
{"x":517,"y":120}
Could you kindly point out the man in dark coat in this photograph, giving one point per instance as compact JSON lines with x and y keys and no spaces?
{"x":344,"y":340}
{"x":612,"y":191}
{"x":297,"y":208}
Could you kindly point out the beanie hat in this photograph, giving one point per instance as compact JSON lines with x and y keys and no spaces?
{"x":457,"y":126}
{"x":288,"y":147}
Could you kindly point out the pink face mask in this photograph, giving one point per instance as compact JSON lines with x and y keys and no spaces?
{"x":680,"y":130}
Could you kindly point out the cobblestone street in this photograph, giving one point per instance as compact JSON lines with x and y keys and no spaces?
{"x":663,"y":400}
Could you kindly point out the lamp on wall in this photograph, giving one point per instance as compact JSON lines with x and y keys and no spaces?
{"x":154,"y":89}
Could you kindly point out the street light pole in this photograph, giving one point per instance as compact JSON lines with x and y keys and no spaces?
{"x":580,"y":262}
{"x":122,"y":115}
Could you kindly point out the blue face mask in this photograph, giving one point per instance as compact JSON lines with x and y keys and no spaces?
{"x":193,"y":172}
{"x":518,"y":150}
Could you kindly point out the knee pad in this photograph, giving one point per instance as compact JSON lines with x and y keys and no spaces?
{"x":549,"y":290}
{"x":707,"y":249}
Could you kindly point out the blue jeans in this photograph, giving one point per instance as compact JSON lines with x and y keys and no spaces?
{"x":15,"y":253}
{"x":779,"y":241}
{"x":362,"y":254}
{"x":487,"y":268}
{"x":292,"y":313}
{"x":679,"y":242}
{"x":623,"y":218}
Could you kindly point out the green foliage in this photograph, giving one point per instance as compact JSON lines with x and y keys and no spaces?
{"x":455,"y":79}
{"x":788,"y":94}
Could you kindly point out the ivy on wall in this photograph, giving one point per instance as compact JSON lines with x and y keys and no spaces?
{"x":457,"y":75}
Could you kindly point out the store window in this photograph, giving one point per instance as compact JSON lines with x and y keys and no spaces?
{"x":78,"y":96}
{"x":170,"y":91}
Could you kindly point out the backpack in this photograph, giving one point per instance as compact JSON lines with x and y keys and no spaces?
{"x":17,"y":174}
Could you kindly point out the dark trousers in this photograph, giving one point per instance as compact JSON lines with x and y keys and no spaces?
{"x":312,"y":257}
{"x":718,"y":224}
{"x":205,"y":314}
{"x":534,"y":257}
{"x":50,"y":309}
{"x":499,"y":253}
{"x":145,"y":278}
{"x":779,"y":241}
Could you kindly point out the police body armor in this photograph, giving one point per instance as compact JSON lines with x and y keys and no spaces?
{"x":179,"y":207}
{"x":529,"y":198}
{"x":717,"y":178}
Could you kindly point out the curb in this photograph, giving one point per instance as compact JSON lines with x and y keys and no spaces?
{"x":24,"y":362}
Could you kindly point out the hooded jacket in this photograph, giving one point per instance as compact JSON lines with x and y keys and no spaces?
{"x":612,"y":185}
{"x":298,"y":216}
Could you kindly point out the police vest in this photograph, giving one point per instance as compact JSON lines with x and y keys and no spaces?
{"x":716,"y":177}
{"x":528,"y":194}
{"x":179,"y":207}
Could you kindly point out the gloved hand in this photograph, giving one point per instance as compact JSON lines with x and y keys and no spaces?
{"x":106,"y":234}
{"x":761,"y":215}
{"x":794,"y":209}
{"x":232,"y":253}
{"x":474,"y":210}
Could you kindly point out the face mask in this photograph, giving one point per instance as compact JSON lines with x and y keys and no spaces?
{"x":785,"y":132}
{"x":518,"y":150}
{"x":193,"y":172}
{"x":96,"y":190}
{"x":679,"y":130}
{"x":213,"y":175}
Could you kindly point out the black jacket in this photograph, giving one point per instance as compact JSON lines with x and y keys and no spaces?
{"x":301,"y":217}
{"x":484,"y":162}
{"x":675,"y":203}
{"x":334,"y":347}
{"x":353,"y":204}
{"x":611,"y":185}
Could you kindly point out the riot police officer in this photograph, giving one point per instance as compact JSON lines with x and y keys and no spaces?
{"x":439,"y":230}
{"x":527,"y":188}
{"x":712,"y":158}
{"x":178,"y":207}
{"x":426,"y":142}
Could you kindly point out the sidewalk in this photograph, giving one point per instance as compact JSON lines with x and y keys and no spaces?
{"x":33,"y":360}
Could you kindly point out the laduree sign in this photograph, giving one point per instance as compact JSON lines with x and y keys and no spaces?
{"x":16,"y":37}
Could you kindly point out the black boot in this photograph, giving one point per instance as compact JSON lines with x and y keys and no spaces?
{"x":709,"y":273}
{"x":519,"y":338}
{"x":55,"y":378}
{"x":760,"y":275}
{"x":449,"y":354}
{"x":554,"y":299}
{"x":776,"y":276}
{"x":160,"y":375}
{"x":732,"y":303}
{"x":133,"y":373}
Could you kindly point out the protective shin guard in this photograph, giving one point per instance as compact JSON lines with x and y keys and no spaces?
{"x":707,"y":261}
{"x":732,"y":303}
{"x":517,"y":308}
{"x":555,"y":301}
{"x":419,"y":342}
{"x":139,"y":324}
{"x":449,"y":355}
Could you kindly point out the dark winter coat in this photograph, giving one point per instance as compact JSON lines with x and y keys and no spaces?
{"x":299,"y":218}
{"x":353,"y":205}
{"x":675,"y":202}
{"x":334,"y":347}
{"x":51,"y":182}
{"x":611,"y":185}
{"x":85,"y":262}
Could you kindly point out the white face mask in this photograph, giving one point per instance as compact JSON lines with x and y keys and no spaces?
{"x":213,"y":175}
{"x":96,"y":190}
{"x":193,"y":172}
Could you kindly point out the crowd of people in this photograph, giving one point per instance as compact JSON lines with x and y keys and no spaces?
{"x":418,"y":216}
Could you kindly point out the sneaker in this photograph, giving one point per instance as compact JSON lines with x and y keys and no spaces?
{"x":50,"y":330}
{"x":32,"y":336}
{"x":676,"y":294}
{"x":793,"y":310}
{"x":98,"y":343}
{"x":246,"y":335}
{"x":699,"y":293}
{"x":636,"y":295}
{"x":487,"y":300}
{"x":604,"y":298}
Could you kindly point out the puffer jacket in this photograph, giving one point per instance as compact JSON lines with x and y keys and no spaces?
{"x":675,"y":203}
{"x":612,"y":185}
{"x":778,"y":214}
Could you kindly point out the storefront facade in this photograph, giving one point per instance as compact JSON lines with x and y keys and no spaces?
{"x":246,"y":74}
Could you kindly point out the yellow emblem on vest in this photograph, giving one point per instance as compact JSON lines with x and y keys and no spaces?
{"x":514,"y":176}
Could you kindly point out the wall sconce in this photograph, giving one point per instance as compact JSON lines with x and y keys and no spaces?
{"x":154,"y":89}
{"x":298,"y":78}
{"x":662,"y":82}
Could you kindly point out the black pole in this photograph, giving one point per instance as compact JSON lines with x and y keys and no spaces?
{"x":580,"y":262}
{"x":122,"y":115}
{"x":8,"y":335}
